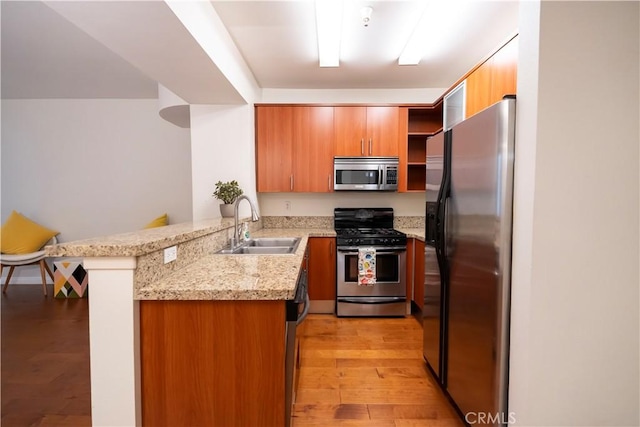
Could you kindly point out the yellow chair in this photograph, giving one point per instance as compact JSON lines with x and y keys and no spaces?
{"x":12,"y":261}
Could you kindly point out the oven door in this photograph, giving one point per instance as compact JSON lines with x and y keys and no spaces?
{"x":390,"y":276}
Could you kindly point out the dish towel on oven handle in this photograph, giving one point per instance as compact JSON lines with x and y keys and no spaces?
{"x":366,"y":266}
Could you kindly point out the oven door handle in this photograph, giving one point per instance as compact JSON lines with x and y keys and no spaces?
{"x":387,"y":251}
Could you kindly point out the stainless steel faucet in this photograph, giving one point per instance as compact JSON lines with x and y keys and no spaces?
{"x":235,"y":240}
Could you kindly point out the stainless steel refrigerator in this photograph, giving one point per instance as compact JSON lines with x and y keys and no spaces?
{"x":469,"y":189}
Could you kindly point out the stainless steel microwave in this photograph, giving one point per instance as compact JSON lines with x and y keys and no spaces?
{"x":365,"y":173}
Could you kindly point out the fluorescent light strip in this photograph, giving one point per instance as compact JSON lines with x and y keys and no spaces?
{"x":413,"y":50}
{"x":437,"y":26}
{"x":329,"y":29}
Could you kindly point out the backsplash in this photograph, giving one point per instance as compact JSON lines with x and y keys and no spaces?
{"x":408,"y":222}
{"x":297,"y":222}
{"x":327,"y":222}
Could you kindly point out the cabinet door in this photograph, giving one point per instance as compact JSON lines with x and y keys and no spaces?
{"x":410,"y":266}
{"x":418,"y":274}
{"x":478,"y":87}
{"x":350,"y":131}
{"x":313,"y":149}
{"x":382,"y":131}
{"x":504,"y":70}
{"x":211,"y":374}
{"x":274,"y":148}
{"x":322,"y":268}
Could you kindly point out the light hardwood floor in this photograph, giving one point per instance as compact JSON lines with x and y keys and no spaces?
{"x":367,"y":372}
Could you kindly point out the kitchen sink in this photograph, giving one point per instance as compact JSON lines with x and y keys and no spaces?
{"x":263,"y":250}
{"x":265,"y":246}
{"x":274,"y":241}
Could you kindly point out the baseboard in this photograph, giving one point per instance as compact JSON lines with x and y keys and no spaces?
{"x":322,"y":306}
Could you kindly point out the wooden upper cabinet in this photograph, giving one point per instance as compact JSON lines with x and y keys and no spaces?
{"x":274,"y":148}
{"x":492,"y":80}
{"x":294,"y":148}
{"x":478,"y":87}
{"x":366,"y":131}
{"x":350,"y":127}
{"x":504,"y":71}
{"x":313,"y":149}
{"x":382,"y":131}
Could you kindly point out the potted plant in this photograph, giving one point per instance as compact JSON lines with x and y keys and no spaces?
{"x":228,"y":192}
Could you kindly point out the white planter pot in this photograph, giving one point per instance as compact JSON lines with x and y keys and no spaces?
{"x":227,"y":211}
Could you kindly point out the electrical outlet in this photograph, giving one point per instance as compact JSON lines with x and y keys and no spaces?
{"x":287,"y":206}
{"x":170,"y":254}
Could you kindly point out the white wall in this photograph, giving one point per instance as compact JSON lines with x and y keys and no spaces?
{"x":93,"y":167}
{"x":575,"y":323}
{"x":222,"y":143}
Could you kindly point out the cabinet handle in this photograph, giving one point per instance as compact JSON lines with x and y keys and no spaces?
{"x":362,"y":146}
{"x":331,"y":248}
{"x":291,"y":182}
{"x":370,"y":146}
{"x":329,"y":182}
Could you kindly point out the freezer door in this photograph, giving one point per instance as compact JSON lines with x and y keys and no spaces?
{"x":478,"y":248}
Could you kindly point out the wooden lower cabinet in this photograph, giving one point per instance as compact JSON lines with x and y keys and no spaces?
{"x":418,"y":274}
{"x":415,"y":272}
{"x":409,"y":267}
{"x":212,"y":363}
{"x":322,"y":274}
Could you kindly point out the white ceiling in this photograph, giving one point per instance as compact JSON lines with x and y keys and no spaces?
{"x":44,"y":55}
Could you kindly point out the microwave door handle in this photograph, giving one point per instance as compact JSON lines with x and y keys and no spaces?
{"x":380,"y":178}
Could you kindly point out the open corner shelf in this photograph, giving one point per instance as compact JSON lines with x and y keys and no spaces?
{"x":423,"y":122}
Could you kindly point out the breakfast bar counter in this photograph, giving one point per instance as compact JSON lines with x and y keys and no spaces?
{"x":154,"y":324}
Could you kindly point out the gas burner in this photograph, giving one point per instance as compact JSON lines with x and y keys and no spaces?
{"x":353,"y":228}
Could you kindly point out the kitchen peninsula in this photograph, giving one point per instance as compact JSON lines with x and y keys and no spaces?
{"x":198,"y":340}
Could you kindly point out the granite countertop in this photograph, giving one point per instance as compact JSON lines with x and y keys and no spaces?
{"x":141,"y":242}
{"x":236,"y":277}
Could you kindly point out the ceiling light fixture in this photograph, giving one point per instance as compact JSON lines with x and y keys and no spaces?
{"x":329,"y":29}
{"x":412,"y":52}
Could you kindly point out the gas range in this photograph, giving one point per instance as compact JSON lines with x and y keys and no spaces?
{"x":369,"y":231}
